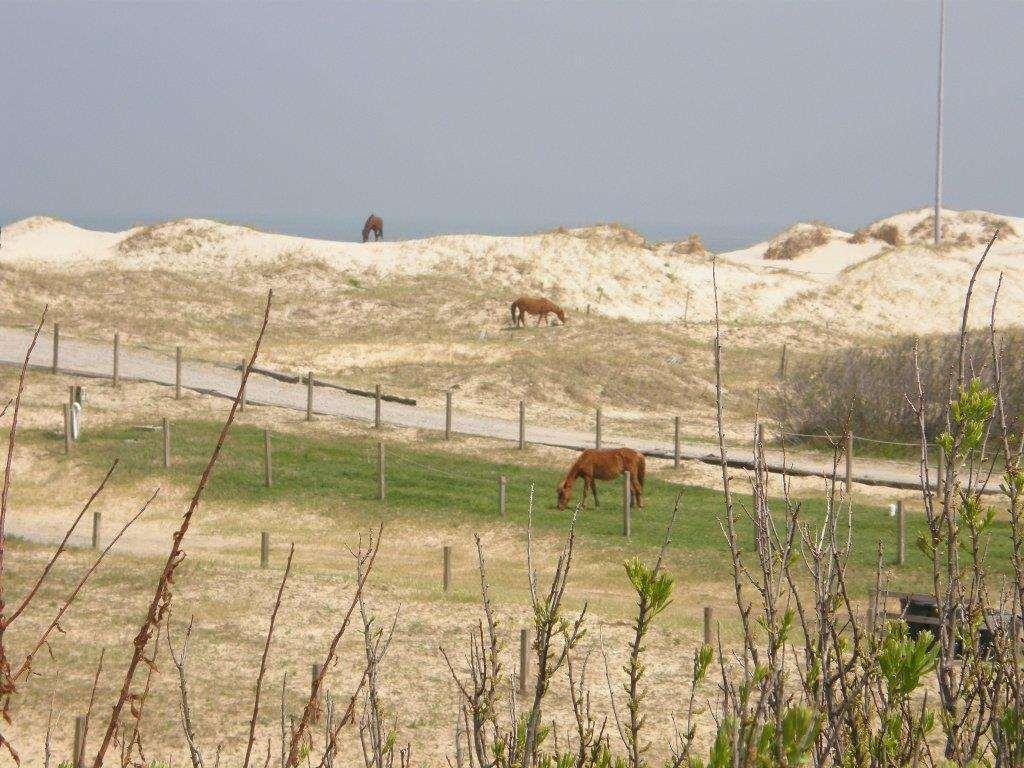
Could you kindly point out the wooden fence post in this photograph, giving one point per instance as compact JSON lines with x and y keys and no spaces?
{"x":446,"y":573}
{"x":167,"y":443}
{"x":627,"y":522}
{"x":241,"y":401}
{"x":117,"y":359}
{"x":264,"y":549}
{"x":524,"y":659}
{"x":597,"y":428}
{"x":381,"y":485}
{"x":901,"y":531}
{"x":849,"y":462}
{"x":448,"y":415}
{"x":709,"y":619}
{"x":309,"y":397}
{"x":675,"y":450}
{"x":782,"y":363}
{"x":67,"y":428}
{"x":78,"y":746}
{"x":376,"y":407}
{"x":177,"y":373}
{"x":56,"y":346}
{"x":315,"y":670}
{"x":268,"y":469}
{"x":96,"y":519}
{"x":522,"y":424}
{"x":502,"y":486}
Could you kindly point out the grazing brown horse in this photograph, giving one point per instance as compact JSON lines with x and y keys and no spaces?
{"x":525,"y":305}
{"x":604,"y":464}
{"x":375,"y":224}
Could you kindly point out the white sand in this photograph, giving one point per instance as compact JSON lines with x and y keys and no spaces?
{"x":867,"y":287}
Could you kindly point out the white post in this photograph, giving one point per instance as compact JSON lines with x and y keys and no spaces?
{"x":938,"y":124}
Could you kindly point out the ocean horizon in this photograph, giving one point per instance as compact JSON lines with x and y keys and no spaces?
{"x":717,"y":237}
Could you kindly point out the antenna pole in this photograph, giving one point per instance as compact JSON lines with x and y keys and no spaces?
{"x":938,"y":128}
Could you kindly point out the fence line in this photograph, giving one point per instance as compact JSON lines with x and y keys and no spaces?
{"x":858,"y":438}
{"x":598,"y":438}
{"x":403,"y":459}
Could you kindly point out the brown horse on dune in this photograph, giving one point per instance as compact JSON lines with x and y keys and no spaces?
{"x":604,"y":464}
{"x":525,"y":305}
{"x":375,"y":224}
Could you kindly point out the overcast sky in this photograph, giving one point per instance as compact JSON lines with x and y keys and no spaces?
{"x":506,"y":115}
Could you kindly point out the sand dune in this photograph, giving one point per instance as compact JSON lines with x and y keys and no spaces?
{"x":809,"y":273}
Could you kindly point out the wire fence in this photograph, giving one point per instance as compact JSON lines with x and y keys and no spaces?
{"x":574,"y":440}
{"x":856,"y":438}
{"x":166,"y":350}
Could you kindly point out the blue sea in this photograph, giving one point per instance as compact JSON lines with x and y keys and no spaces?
{"x":717,"y":237}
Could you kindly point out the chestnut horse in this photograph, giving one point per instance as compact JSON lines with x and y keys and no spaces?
{"x":534,"y":306}
{"x":604,"y":464}
{"x":375,"y":224}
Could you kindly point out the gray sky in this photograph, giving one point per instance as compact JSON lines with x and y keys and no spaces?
{"x":503,"y":116}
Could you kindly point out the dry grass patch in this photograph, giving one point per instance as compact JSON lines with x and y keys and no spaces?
{"x":691,"y":246}
{"x":887,"y":233}
{"x":797,"y":241}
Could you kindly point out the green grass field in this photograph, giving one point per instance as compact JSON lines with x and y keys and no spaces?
{"x":430,"y":487}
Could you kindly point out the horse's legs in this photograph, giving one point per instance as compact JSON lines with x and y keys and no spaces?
{"x":593,"y":490}
{"x":638,"y":492}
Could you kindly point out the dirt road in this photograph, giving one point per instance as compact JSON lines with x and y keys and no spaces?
{"x":95,"y":360}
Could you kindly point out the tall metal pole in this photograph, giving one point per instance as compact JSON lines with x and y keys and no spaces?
{"x":938,"y":128}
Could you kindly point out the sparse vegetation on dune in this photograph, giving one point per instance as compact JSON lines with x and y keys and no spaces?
{"x":172,"y":237}
{"x":612,"y":232}
{"x":796,"y":241}
{"x":967,"y":228}
{"x":416,"y":335}
{"x":887,"y":233}
{"x":691,"y":246}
